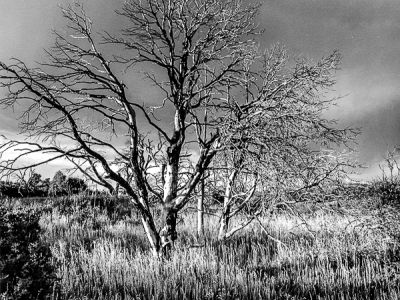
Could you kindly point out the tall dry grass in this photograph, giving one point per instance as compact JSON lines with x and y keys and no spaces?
{"x":331,"y":256}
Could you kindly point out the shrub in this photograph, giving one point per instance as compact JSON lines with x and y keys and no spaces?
{"x":26,"y":271}
{"x":388,"y":191}
{"x":387,"y":188}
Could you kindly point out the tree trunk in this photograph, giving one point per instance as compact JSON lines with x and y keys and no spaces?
{"x":161,"y":242}
{"x":224,"y":223}
{"x":200,"y":213}
{"x":152,"y":235}
{"x":200,"y":203}
{"x":168,"y":233}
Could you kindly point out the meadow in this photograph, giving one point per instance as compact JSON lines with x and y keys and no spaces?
{"x":347,"y":253}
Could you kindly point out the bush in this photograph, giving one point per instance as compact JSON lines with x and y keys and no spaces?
{"x":19,"y":190}
{"x":26,"y":271}
{"x":387,"y":188}
{"x":388,"y":191}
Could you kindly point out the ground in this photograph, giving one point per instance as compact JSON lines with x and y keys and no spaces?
{"x":347,"y":253}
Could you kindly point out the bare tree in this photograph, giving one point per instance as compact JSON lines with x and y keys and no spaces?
{"x":76,"y":105}
{"x":280,"y":144}
{"x":201,"y":56}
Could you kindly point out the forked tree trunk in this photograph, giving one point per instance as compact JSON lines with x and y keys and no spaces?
{"x":163,"y":242}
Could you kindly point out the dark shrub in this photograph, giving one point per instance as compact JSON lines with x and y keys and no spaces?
{"x":388,"y":191}
{"x":26,"y":271}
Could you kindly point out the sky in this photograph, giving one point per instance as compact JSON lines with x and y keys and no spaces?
{"x":366,"y":32}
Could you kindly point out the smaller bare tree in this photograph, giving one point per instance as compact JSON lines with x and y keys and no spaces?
{"x":279,"y":142}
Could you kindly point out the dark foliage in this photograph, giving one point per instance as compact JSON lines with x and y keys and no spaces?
{"x":26,"y":271}
{"x":388,"y":191}
{"x":17,"y":190}
{"x":35,"y":187}
{"x":62,"y":185}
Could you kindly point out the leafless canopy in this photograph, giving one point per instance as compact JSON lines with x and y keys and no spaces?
{"x":279,"y":140}
{"x":200,"y":56}
{"x":76,"y":104}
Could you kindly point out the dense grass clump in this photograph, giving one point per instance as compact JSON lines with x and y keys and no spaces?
{"x":323,"y":255}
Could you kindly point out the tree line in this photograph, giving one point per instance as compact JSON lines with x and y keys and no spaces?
{"x":35,"y":186}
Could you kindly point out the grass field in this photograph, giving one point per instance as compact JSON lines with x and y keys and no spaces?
{"x":332,"y":256}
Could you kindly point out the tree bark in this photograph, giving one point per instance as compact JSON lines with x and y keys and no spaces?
{"x":224,"y":223}
{"x":200,"y":213}
{"x":152,"y":235}
{"x":161,"y":242}
{"x":168,"y":234}
{"x":200,"y":203}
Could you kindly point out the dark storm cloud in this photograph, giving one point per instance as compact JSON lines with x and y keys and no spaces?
{"x":367,"y":32}
{"x":381,"y":130}
{"x":312,"y":25}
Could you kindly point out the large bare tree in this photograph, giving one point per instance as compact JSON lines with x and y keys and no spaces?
{"x":201,"y":57}
{"x":76,"y":104}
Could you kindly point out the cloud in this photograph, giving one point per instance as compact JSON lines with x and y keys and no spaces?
{"x":367,"y":32}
